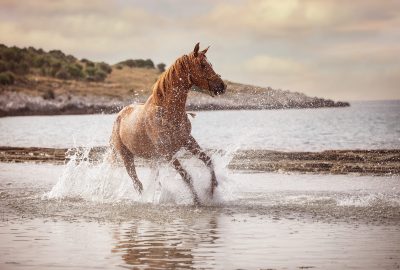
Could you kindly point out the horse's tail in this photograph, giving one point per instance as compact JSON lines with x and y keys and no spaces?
{"x":115,"y":142}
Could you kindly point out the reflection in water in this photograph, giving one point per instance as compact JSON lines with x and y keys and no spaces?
{"x":275,"y":221}
{"x":166,"y":245}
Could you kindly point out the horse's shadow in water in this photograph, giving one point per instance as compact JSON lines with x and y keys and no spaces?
{"x":158,"y":129}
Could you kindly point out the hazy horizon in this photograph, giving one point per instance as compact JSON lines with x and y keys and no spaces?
{"x":331,"y":49}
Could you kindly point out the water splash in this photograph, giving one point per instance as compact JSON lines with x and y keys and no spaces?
{"x":105,"y":182}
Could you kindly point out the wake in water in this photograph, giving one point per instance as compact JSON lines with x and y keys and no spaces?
{"x":104,"y":182}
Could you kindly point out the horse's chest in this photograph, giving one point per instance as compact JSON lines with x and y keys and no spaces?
{"x":173,"y":136}
{"x":184,"y":134}
{"x":179,"y":133}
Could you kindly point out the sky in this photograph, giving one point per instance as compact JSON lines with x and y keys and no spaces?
{"x":338,"y":49}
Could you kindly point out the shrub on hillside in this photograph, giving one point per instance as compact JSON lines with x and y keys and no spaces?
{"x":3,"y":66}
{"x":57,"y":54}
{"x":11,"y":54}
{"x":105,"y":67}
{"x":41,"y":61}
{"x":161,"y":67}
{"x":7,"y":78}
{"x":75,"y":71}
{"x":140,"y":63}
{"x":55,"y":67}
{"x":90,"y":64}
{"x":54,"y":63}
{"x":21,"y":68}
{"x":62,"y":74}
{"x":90,"y":71}
{"x":100,"y":75}
{"x":96,"y":75}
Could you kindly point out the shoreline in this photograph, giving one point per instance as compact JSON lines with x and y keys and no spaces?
{"x":99,"y":109}
{"x":61,"y":108}
{"x":379,"y":162}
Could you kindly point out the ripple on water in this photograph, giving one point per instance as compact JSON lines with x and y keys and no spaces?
{"x":266,"y":219}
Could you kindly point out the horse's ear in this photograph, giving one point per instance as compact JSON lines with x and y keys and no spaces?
{"x":204,"y":51}
{"x":196,"y":49}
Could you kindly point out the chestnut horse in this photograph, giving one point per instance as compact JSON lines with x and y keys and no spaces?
{"x":159,"y":128}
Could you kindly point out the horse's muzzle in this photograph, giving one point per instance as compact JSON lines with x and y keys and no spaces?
{"x":218,"y":88}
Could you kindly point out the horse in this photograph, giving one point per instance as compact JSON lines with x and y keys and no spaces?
{"x":160,"y":127}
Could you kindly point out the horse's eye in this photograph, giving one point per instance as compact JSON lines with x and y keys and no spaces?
{"x":203,"y":66}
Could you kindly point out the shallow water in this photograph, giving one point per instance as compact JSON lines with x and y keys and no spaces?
{"x":364,"y":125}
{"x":211,"y":241}
{"x":83,"y":215}
{"x":268,"y":220}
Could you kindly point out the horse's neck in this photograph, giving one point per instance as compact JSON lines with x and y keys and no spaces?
{"x":175,"y":104}
{"x":175,"y":87}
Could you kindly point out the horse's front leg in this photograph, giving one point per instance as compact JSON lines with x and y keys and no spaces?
{"x":193,"y":147}
{"x":164,"y":146}
{"x":187,"y":178}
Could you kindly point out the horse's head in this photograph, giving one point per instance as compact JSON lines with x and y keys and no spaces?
{"x":202,"y":75}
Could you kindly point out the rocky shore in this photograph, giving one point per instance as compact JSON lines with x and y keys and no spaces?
{"x":365,"y":162}
{"x":50,"y":96}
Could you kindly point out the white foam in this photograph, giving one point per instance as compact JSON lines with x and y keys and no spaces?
{"x":103,"y":182}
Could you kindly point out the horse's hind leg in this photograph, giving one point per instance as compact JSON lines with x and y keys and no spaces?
{"x":188,"y":180}
{"x":129,"y":163}
{"x":112,"y":157}
{"x":127,"y":157}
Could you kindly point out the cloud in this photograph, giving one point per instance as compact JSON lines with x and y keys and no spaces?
{"x":272,"y":65}
{"x":56,"y":8}
{"x":94,"y":29}
{"x":292,"y":19}
{"x":331,"y":48}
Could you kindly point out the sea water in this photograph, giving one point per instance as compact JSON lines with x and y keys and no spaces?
{"x":364,"y":125}
{"x":88,"y":215}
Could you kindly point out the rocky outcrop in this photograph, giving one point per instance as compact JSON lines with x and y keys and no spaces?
{"x":241,"y":96}
{"x":237,"y":97}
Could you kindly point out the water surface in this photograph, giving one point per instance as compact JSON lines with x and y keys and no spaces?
{"x":87,"y":216}
{"x":364,"y":125}
{"x":259,"y":220}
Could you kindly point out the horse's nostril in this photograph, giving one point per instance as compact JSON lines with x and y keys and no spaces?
{"x":221,"y":88}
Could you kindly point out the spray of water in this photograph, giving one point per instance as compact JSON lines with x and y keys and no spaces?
{"x":106,"y":182}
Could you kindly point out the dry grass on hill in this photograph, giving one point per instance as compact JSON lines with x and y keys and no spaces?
{"x":125,"y":83}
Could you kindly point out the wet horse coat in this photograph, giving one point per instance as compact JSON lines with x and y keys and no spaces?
{"x":159,"y":128}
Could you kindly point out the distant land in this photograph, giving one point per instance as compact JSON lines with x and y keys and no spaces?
{"x":36,"y":82}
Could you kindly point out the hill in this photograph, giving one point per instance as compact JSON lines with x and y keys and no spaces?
{"x":33,"y":81}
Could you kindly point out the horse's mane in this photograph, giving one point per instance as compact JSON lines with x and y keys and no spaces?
{"x":174,"y":76}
